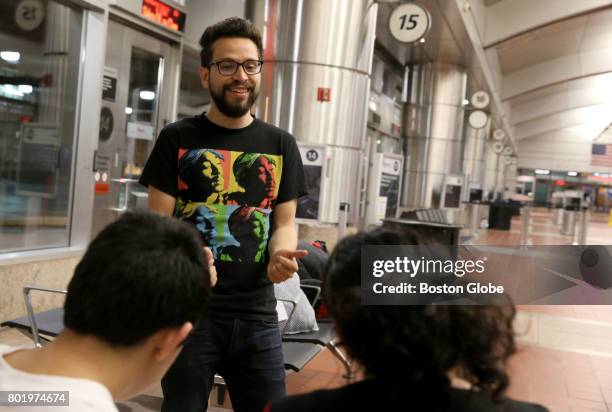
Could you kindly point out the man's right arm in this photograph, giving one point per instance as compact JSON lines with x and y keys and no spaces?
{"x":161,"y":202}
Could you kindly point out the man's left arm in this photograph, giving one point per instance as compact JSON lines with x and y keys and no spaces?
{"x":283,"y":243}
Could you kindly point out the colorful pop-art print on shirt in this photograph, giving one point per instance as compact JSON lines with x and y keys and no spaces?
{"x":229,"y":197}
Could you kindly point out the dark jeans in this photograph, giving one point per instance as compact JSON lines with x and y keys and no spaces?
{"x":246,"y":353}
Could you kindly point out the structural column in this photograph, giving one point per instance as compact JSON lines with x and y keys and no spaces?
{"x":435,"y":143}
{"x":316,"y":80}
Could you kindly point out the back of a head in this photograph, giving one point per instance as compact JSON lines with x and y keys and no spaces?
{"x":415,"y":345}
{"x":142,"y":273}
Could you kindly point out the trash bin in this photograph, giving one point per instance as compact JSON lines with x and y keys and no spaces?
{"x":500,"y":214}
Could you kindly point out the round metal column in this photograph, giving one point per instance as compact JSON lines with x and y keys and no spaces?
{"x":473,"y":153}
{"x":436,"y":147}
{"x":314,"y":44}
{"x":490,"y":172}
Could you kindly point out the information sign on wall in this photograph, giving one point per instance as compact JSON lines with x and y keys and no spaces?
{"x":313,"y":159}
{"x":384,"y":187}
{"x":451,"y":192}
{"x":38,"y":160}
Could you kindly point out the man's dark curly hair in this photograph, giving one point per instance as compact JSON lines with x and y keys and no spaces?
{"x":416,"y":345}
{"x":231,"y":27}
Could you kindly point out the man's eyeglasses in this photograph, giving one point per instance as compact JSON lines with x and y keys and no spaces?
{"x":229,"y":67}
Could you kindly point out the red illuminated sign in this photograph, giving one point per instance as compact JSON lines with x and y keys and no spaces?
{"x":323,"y":94}
{"x":102,"y":188}
{"x":163,"y":14}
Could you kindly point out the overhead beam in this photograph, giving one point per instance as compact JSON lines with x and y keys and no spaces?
{"x":550,"y":72}
{"x":492,"y":74}
{"x":594,"y":114}
{"x":569,"y":96}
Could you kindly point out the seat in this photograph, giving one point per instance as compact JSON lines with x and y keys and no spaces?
{"x":49,"y":323}
{"x":325,"y":336}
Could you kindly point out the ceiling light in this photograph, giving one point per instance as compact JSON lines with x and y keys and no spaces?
{"x":542,"y":172}
{"x":572,"y":173}
{"x":11,"y":89}
{"x":465,"y":102}
{"x":25,"y":88}
{"x":422,"y":40}
{"x":147,"y":95}
{"x":128,"y":110}
{"x":10,"y":56}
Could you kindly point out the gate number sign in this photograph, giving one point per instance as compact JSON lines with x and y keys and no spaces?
{"x":409,"y":23}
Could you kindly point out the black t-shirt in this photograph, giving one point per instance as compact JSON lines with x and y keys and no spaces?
{"x":373,"y":395}
{"x":227,"y":182}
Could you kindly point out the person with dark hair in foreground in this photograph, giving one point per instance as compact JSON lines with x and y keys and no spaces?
{"x":131,"y":303}
{"x":409,"y":354}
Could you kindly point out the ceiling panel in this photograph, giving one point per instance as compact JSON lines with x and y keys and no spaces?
{"x":547,"y":43}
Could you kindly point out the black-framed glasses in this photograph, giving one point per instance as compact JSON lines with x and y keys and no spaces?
{"x":229,"y":67}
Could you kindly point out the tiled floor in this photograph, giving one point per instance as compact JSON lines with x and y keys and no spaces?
{"x":561,"y":380}
{"x":324,"y":371}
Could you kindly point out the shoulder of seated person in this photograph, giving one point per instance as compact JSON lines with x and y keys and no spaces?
{"x":475,"y":401}
{"x":324,"y":399}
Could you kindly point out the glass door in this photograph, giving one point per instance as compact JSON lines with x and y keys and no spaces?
{"x":137,"y":101}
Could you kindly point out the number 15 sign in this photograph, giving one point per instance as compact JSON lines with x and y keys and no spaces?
{"x":409,"y":23}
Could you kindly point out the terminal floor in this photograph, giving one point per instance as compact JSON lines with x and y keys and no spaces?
{"x":544,"y":232}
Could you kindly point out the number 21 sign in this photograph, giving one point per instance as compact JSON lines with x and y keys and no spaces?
{"x":409,"y":23}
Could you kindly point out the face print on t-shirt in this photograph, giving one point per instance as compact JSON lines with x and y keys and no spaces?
{"x":229,"y":197}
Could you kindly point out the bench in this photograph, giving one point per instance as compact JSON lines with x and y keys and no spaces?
{"x":42,"y":327}
{"x":51,"y":322}
{"x":325,"y":336}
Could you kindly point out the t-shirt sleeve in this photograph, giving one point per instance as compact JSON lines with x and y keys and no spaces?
{"x":293,"y":182}
{"x":161,"y":170}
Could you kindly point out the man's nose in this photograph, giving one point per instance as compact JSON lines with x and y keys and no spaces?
{"x":240,"y":74}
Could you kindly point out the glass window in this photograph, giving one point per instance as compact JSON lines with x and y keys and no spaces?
{"x":141,"y":111}
{"x":193,"y":98}
{"x":39,"y":63}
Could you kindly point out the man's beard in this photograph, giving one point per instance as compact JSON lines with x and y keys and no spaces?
{"x":234,"y":109}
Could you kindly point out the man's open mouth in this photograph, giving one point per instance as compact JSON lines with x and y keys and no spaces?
{"x":239,"y":91}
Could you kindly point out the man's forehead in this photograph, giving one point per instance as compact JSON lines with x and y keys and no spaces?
{"x":234,"y":47}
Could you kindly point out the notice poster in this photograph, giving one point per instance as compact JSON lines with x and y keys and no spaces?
{"x":452,"y":192}
{"x":313,"y":159}
{"x":390,"y":184}
{"x":38,"y":160}
{"x":109,"y":84}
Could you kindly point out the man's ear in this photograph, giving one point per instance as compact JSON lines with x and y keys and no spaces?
{"x":169,"y":340}
{"x":204,"y":73}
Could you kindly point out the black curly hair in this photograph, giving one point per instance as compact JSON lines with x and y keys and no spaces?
{"x":416,"y":345}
